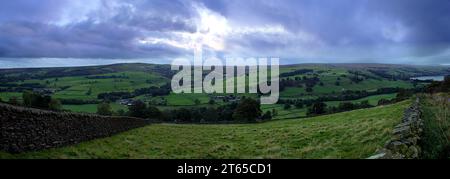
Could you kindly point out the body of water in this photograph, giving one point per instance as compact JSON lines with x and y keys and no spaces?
{"x":425,"y":78}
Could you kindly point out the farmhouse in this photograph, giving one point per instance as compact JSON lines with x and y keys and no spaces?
{"x":44,"y":91}
{"x":126,"y":102}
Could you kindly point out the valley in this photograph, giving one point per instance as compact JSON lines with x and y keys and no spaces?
{"x":324,"y":111}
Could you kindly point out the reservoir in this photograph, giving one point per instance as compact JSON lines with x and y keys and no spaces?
{"x":425,"y":78}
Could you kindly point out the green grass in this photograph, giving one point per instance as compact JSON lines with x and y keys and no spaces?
{"x":373,"y":100}
{"x":355,"y":134}
{"x":80,"y":85}
{"x":5,"y":96}
{"x":436,"y":134}
{"x":298,"y":113}
{"x":331,"y":88}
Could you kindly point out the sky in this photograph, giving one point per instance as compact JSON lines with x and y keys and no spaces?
{"x":89,"y":32}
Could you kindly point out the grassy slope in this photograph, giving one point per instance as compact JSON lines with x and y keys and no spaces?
{"x":436,"y":135}
{"x":355,"y":134}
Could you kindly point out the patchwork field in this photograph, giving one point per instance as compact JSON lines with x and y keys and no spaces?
{"x":86,"y":83}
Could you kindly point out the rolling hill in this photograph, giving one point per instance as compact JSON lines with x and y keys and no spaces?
{"x":300,"y":82}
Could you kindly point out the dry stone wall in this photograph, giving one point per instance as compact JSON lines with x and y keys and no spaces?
{"x":26,"y":129}
{"x":406,"y":136}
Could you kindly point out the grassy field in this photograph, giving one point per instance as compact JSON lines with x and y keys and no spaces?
{"x":5,"y":96}
{"x":373,"y":100}
{"x":81,"y":85}
{"x":355,"y":134}
{"x":128,"y":77}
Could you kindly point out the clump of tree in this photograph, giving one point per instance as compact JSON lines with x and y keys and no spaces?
{"x":267,"y":115}
{"x":141,"y":110}
{"x":104,"y":109}
{"x":55,"y":105}
{"x":36,"y":100}
{"x":317,"y":108}
{"x":287,"y":106}
{"x":152,"y":91}
{"x":248,"y":110}
{"x":349,"y":106}
{"x":320,"y":108}
{"x":404,"y":94}
{"x":299,"y":82}
{"x":436,"y":86}
{"x":89,"y":92}
{"x":382,"y":102}
{"x":298,"y":104}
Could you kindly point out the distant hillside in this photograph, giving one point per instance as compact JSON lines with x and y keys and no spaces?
{"x":164,"y":70}
{"x":80,"y":89}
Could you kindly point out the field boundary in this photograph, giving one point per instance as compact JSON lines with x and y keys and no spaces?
{"x":28,"y":129}
{"x":405,"y":141}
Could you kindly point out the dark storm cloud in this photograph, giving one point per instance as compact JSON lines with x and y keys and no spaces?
{"x":353,"y":29}
{"x":422,"y":27}
{"x":111,"y":31}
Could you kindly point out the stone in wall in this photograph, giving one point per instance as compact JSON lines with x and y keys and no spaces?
{"x":26,"y":129}
{"x":406,"y":135}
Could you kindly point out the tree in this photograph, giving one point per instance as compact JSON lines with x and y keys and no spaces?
{"x":212,"y":102}
{"x":267,"y":116}
{"x":337,"y":83}
{"x":383,"y":102}
{"x":183,"y":115}
{"x":104,"y":109}
{"x":287,"y":106}
{"x":274,"y":112}
{"x":433,"y":87}
{"x":138,"y":109}
{"x":346,"y":106}
{"x":89,"y":92}
{"x":365,"y":104}
{"x":121,"y":112}
{"x":298,"y":104}
{"x":317,"y":108}
{"x":309,"y":89}
{"x":55,"y":105}
{"x":403,"y":94}
{"x":210,"y":115}
{"x":28,"y":98}
{"x":197,"y":102}
{"x":248,"y":110}
{"x":152,"y":112}
{"x":13,"y":100}
{"x":32,"y":99}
